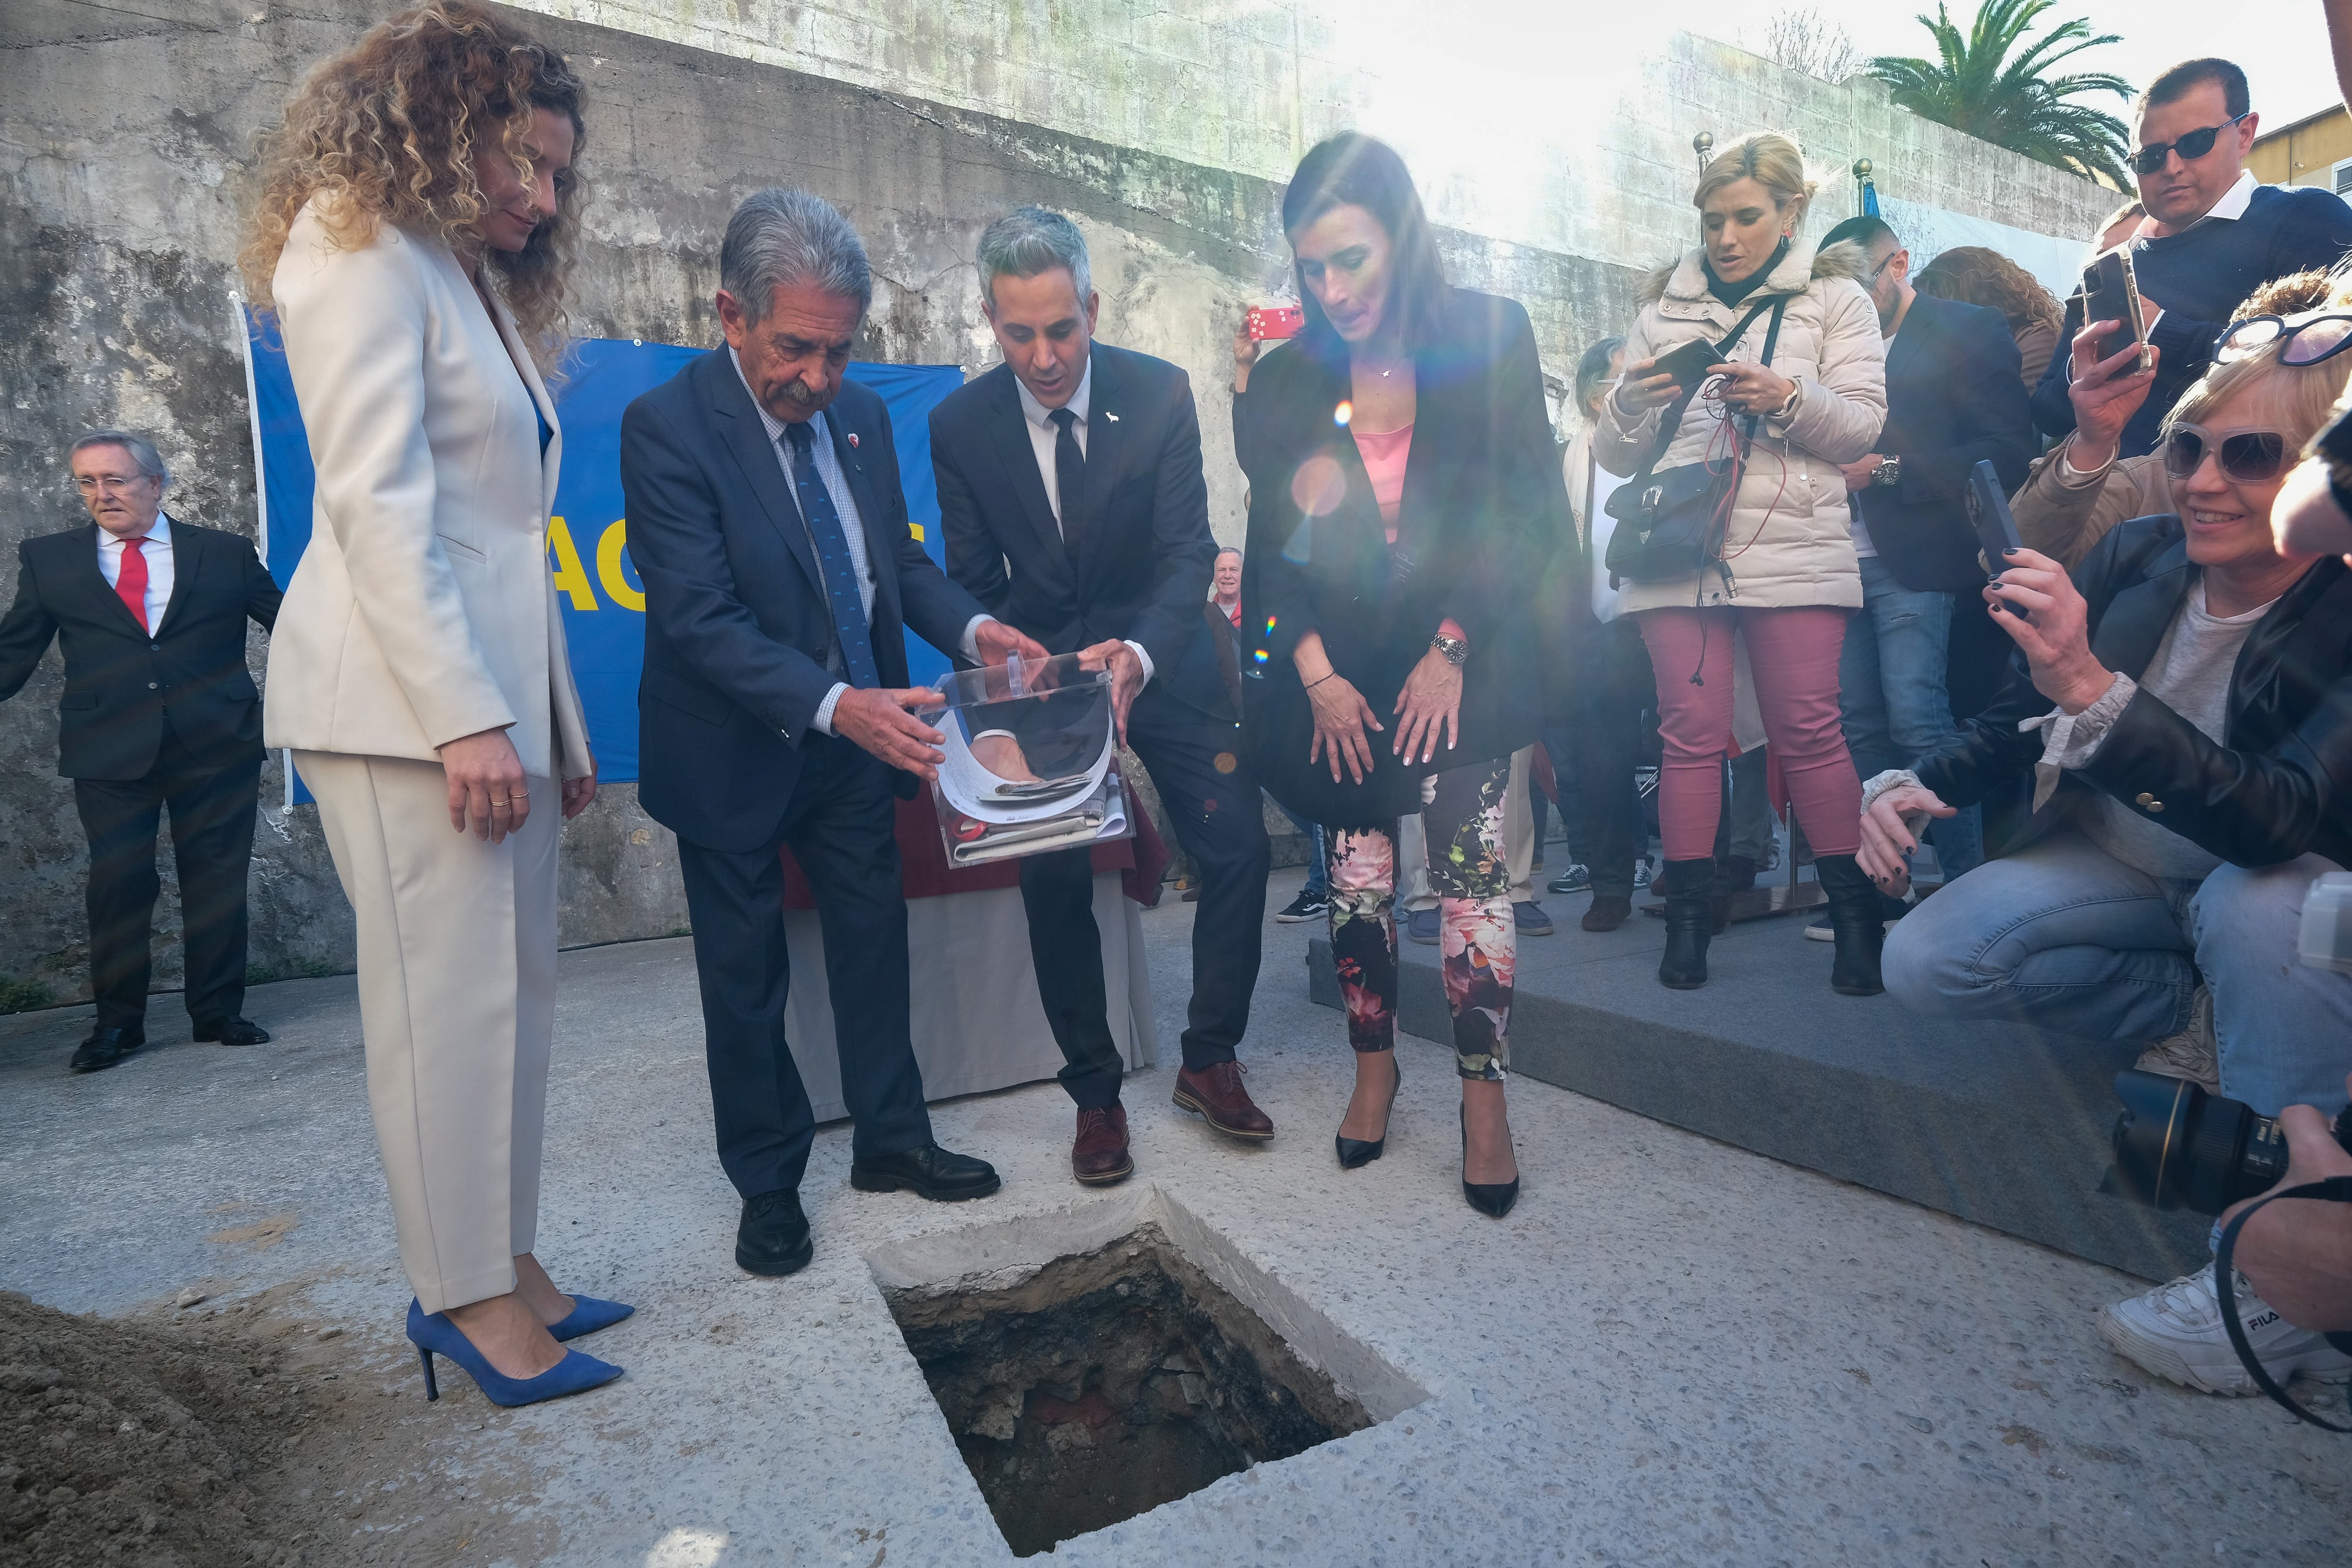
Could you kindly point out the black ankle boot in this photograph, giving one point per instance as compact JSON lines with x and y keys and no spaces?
{"x":1690,"y":922}
{"x":1859,"y":923}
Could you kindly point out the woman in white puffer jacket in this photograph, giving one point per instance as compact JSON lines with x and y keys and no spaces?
{"x":1785,"y":575}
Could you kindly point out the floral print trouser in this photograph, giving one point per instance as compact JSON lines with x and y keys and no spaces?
{"x":1462,"y":820}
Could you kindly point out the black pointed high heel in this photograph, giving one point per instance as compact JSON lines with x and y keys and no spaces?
{"x":1355,"y":1152}
{"x":1492,"y":1197}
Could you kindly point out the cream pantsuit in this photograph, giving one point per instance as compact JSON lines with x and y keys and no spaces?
{"x":457,"y":1068}
{"x":421,"y":613}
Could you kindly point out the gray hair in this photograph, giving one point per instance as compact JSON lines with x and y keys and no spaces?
{"x":143,"y":451}
{"x":778,"y":237}
{"x":1028,"y":241}
{"x":1233,"y":550}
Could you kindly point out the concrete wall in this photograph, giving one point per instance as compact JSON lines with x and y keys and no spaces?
{"x":125,"y":139}
{"x":2305,"y":153}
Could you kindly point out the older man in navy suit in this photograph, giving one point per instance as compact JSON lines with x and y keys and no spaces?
{"x":159,"y":710}
{"x":767,"y":523}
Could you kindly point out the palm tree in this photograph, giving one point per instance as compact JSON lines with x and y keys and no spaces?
{"x":1976,"y":85}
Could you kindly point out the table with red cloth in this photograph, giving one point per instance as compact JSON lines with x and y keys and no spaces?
{"x":978,"y":1024}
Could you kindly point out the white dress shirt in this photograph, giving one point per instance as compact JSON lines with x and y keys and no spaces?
{"x":157,"y":552}
{"x":827,"y":464}
{"x":1045,"y":435}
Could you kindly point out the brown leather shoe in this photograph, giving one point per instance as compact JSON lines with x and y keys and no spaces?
{"x":1216,"y":1093}
{"x":1099,"y":1157}
{"x":1607,"y":914}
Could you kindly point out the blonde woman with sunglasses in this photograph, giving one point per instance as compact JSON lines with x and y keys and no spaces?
{"x":2082,"y":487}
{"x":2166,"y":772}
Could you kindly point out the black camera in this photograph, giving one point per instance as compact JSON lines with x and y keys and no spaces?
{"x":2179,"y":1147}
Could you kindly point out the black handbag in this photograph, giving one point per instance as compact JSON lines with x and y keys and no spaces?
{"x":1671,"y":522}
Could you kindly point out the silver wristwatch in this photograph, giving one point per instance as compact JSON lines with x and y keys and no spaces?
{"x":1889,"y":472}
{"x":1453,"y":649}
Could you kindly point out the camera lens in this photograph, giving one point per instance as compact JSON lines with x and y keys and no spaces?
{"x":2179,"y":1147}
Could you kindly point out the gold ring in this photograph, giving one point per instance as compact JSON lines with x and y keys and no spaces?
{"x":496,"y":804}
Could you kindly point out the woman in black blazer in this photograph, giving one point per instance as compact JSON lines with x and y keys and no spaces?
{"x":1405,"y":500}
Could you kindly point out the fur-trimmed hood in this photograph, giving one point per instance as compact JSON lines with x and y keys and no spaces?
{"x":1685,"y":277}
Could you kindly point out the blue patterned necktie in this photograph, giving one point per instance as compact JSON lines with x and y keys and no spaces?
{"x":833,"y":560}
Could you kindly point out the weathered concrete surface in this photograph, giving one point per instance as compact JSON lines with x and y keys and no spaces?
{"x":1673,"y":1352}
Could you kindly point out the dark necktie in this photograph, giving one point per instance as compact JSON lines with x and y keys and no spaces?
{"x":1070,"y":479}
{"x":833,"y":560}
{"x":131,"y":582}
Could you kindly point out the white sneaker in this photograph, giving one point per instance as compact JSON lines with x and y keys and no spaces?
{"x":2175,"y":1332}
{"x":2193,"y":1053}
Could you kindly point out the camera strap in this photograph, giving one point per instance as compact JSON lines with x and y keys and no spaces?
{"x":2335,"y":1189}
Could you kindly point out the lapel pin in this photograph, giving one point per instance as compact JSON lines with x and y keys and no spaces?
{"x":853,"y":440}
{"x":1111,"y":416}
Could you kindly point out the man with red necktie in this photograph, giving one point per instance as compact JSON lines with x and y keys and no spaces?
{"x":159,"y":710}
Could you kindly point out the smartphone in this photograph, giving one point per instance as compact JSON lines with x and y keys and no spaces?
{"x":1688,"y":363}
{"x":1988,"y":513}
{"x":1271,"y":322}
{"x":2111,"y":293}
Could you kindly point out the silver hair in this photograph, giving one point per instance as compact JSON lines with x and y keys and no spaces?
{"x":1234,"y":550}
{"x":143,"y":451}
{"x":1028,"y":241}
{"x":778,"y":237}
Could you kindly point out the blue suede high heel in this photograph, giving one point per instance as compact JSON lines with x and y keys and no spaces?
{"x":434,"y":1334}
{"x":587,"y":1315}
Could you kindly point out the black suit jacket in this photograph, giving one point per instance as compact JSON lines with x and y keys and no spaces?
{"x":2273,"y":787}
{"x":1143,"y":568}
{"x":1483,"y":518}
{"x":123,"y":685}
{"x":1953,"y":399}
{"x":737,"y":623}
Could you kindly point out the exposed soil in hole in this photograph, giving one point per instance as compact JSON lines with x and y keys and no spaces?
{"x":1106,"y":1384}
{"x":244,"y":1433}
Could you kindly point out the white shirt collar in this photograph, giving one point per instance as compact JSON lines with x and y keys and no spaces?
{"x":1038,"y":414}
{"x":2234,"y":200}
{"x":161,"y":528}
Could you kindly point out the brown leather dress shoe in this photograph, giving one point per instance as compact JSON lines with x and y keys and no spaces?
{"x":1216,"y":1093}
{"x":1607,"y":912}
{"x":1099,"y":1157}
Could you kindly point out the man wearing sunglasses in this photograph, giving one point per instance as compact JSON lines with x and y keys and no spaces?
{"x":2212,"y":235}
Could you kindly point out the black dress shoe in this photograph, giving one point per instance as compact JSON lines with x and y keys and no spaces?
{"x":233,"y":1031}
{"x":105,"y":1047}
{"x":930,"y":1172}
{"x":773,"y":1238}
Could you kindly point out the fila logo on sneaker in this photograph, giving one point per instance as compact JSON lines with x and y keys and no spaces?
{"x":2263,"y":1319}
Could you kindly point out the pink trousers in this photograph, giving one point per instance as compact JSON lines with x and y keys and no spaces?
{"x":1795,"y":655}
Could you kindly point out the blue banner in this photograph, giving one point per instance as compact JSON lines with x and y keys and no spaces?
{"x":587,"y":539}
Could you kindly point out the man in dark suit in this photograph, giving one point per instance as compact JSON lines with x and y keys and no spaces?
{"x":159,"y":710}
{"x":1072,"y":504}
{"x":1954,"y":398}
{"x":766,"y":521}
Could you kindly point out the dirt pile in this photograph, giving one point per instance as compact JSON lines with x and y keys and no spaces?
{"x":137,"y":1444}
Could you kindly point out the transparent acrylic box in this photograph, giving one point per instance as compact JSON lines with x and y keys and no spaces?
{"x":1031,"y":760}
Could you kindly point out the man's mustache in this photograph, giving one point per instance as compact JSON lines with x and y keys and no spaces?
{"x":796,"y":393}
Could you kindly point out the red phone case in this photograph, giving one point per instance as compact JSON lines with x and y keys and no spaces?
{"x":1269,"y":322}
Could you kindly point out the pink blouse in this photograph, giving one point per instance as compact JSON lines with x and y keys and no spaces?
{"x":1384,"y":454}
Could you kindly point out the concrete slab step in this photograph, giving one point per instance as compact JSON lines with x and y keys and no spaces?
{"x":2001,"y":1124}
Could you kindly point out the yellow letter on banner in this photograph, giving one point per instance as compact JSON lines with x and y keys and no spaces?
{"x":569,"y":575}
{"x":608,"y":568}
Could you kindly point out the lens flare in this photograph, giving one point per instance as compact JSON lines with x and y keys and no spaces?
{"x":1342,"y":414}
{"x":1260,"y":655}
{"x":1320,"y":485}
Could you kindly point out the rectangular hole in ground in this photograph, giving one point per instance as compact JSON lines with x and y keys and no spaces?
{"x":1098,"y":1363}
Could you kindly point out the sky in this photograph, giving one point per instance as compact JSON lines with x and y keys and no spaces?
{"x":2282,"y":45}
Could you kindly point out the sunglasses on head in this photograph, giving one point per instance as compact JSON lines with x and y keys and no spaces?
{"x":2191,"y":147}
{"x":2251,"y":455}
{"x":2304,"y":340}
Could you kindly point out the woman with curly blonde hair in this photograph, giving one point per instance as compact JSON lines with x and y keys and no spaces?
{"x":1973,"y":275}
{"x":414,"y":241}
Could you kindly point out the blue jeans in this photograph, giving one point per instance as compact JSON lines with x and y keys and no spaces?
{"x":1318,"y":876}
{"x":1893,"y":698}
{"x":2065,"y":937}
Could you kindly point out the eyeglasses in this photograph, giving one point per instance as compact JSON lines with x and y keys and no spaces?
{"x":1880,"y":271}
{"x":2191,"y":147}
{"x":2304,"y":340}
{"x":2249,"y":456}
{"x":112,"y":483}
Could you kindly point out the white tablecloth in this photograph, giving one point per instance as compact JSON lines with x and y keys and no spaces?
{"x":978,"y":1024}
